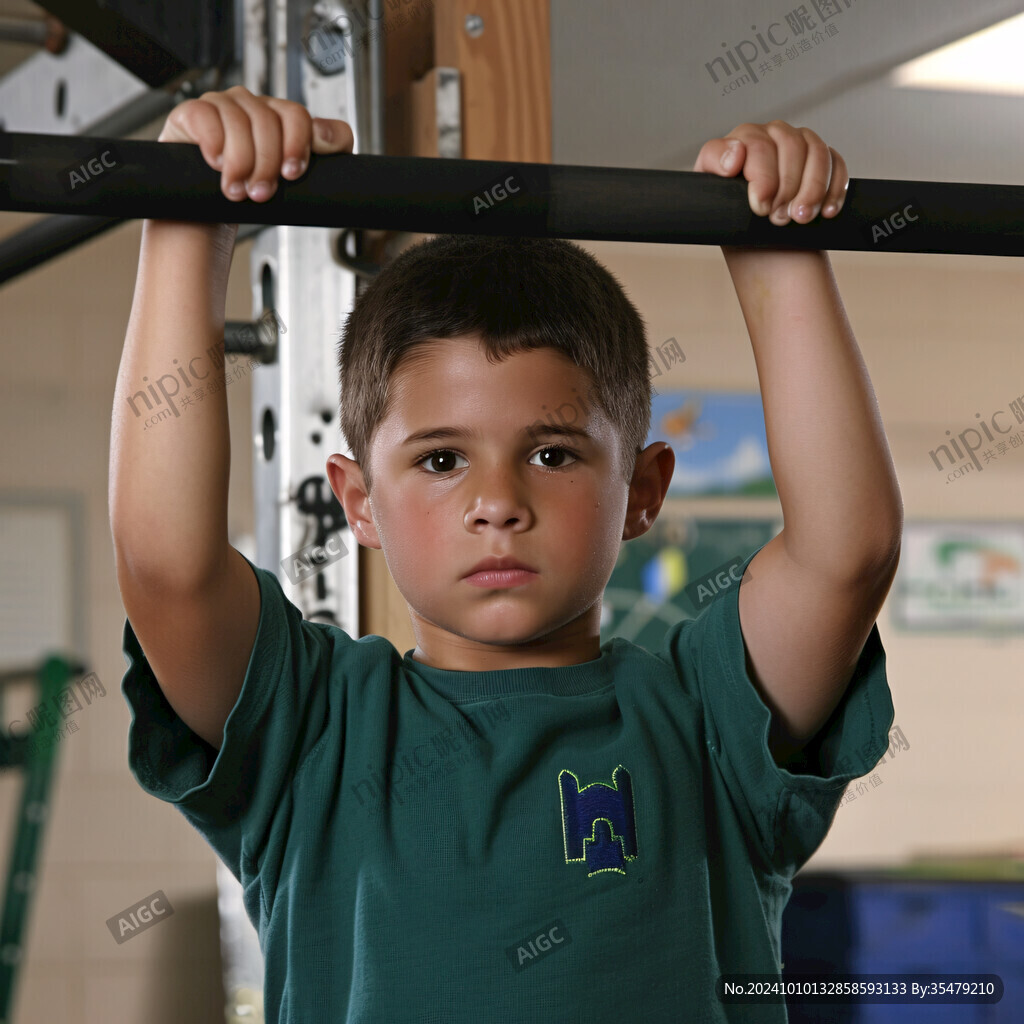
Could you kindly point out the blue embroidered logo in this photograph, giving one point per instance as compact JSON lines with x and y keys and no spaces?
{"x":598,"y":821}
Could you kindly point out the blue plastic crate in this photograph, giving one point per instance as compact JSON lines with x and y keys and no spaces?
{"x":925,"y":922}
{"x":848,"y":925}
{"x":1010,"y":1009}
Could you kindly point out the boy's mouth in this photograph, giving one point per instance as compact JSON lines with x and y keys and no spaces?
{"x":500,"y":572}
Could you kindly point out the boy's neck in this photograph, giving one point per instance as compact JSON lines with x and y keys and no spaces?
{"x":443,"y":650}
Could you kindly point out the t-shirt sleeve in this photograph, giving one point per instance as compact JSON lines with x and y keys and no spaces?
{"x":786,"y":811}
{"x":235,"y":795}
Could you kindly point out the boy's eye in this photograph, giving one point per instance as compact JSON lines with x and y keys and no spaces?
{"x":441,"y":461}
{"x":559,"y":452}
{"x":443,"y":455}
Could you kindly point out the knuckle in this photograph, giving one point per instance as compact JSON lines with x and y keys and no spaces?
{"x":263,"y":115}
{"x":180,"y":114}
{"x":191,"y":110}
{"x":300,"y":126}
{"x":266,"y":127}
{"x":188,"y":118}
{"x":298,"y":109}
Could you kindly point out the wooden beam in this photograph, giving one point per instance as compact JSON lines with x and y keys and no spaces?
{"x":506,"y":76}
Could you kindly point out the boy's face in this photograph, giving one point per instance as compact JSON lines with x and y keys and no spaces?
{"x":496,"y":486}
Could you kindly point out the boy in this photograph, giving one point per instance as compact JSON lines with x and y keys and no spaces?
{"x":624,"y":825}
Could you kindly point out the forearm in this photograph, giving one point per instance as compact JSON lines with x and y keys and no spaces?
{"x":169,"y":462}
{"x":830,"y":460}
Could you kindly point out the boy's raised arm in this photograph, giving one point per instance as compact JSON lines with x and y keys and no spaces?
{"x":192,"y":600}
{"x":169,"y":462}
{"x":817,"y":588}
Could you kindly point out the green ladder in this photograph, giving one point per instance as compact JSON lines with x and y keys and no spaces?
{"x":25,"y":750}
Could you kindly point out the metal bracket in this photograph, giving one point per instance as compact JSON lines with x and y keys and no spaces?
{"x":449,"y":113}
{"x":301,"y":533}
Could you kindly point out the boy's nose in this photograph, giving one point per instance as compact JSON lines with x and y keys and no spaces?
{"x":501,"y":501}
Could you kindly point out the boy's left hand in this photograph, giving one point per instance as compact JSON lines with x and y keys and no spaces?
{"x":792,"y":173}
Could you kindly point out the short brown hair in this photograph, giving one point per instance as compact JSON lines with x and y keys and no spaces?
{"x":515,"y":294}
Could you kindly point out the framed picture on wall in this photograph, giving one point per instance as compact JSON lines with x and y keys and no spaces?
{"x":962,"y":576}
{"x":720,"y":443}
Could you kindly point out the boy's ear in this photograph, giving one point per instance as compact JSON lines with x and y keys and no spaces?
{"x":652,"y":475}
{"x":349,"y":487}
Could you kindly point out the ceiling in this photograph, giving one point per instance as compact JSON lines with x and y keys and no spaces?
{"x":630,"y":86}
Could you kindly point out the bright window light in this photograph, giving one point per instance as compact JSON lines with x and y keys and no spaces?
{"x":987,"y":61}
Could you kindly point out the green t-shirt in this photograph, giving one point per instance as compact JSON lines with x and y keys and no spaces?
{"x":595,"y":843}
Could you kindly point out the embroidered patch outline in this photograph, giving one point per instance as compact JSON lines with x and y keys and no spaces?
{"x":590,"y":815}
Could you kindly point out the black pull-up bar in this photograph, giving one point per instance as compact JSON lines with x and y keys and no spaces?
{"x":124,"y":178}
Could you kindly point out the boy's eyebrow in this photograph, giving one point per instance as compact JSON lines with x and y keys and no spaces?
{"x":541,"y":429}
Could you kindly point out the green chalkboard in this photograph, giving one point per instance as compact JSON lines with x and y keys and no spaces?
{"x":645,"y":593}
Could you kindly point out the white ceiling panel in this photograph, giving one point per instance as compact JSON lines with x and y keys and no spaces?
{"x":634,"y":85}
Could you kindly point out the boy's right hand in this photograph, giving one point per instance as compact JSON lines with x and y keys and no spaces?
{"x":253,"y":139}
